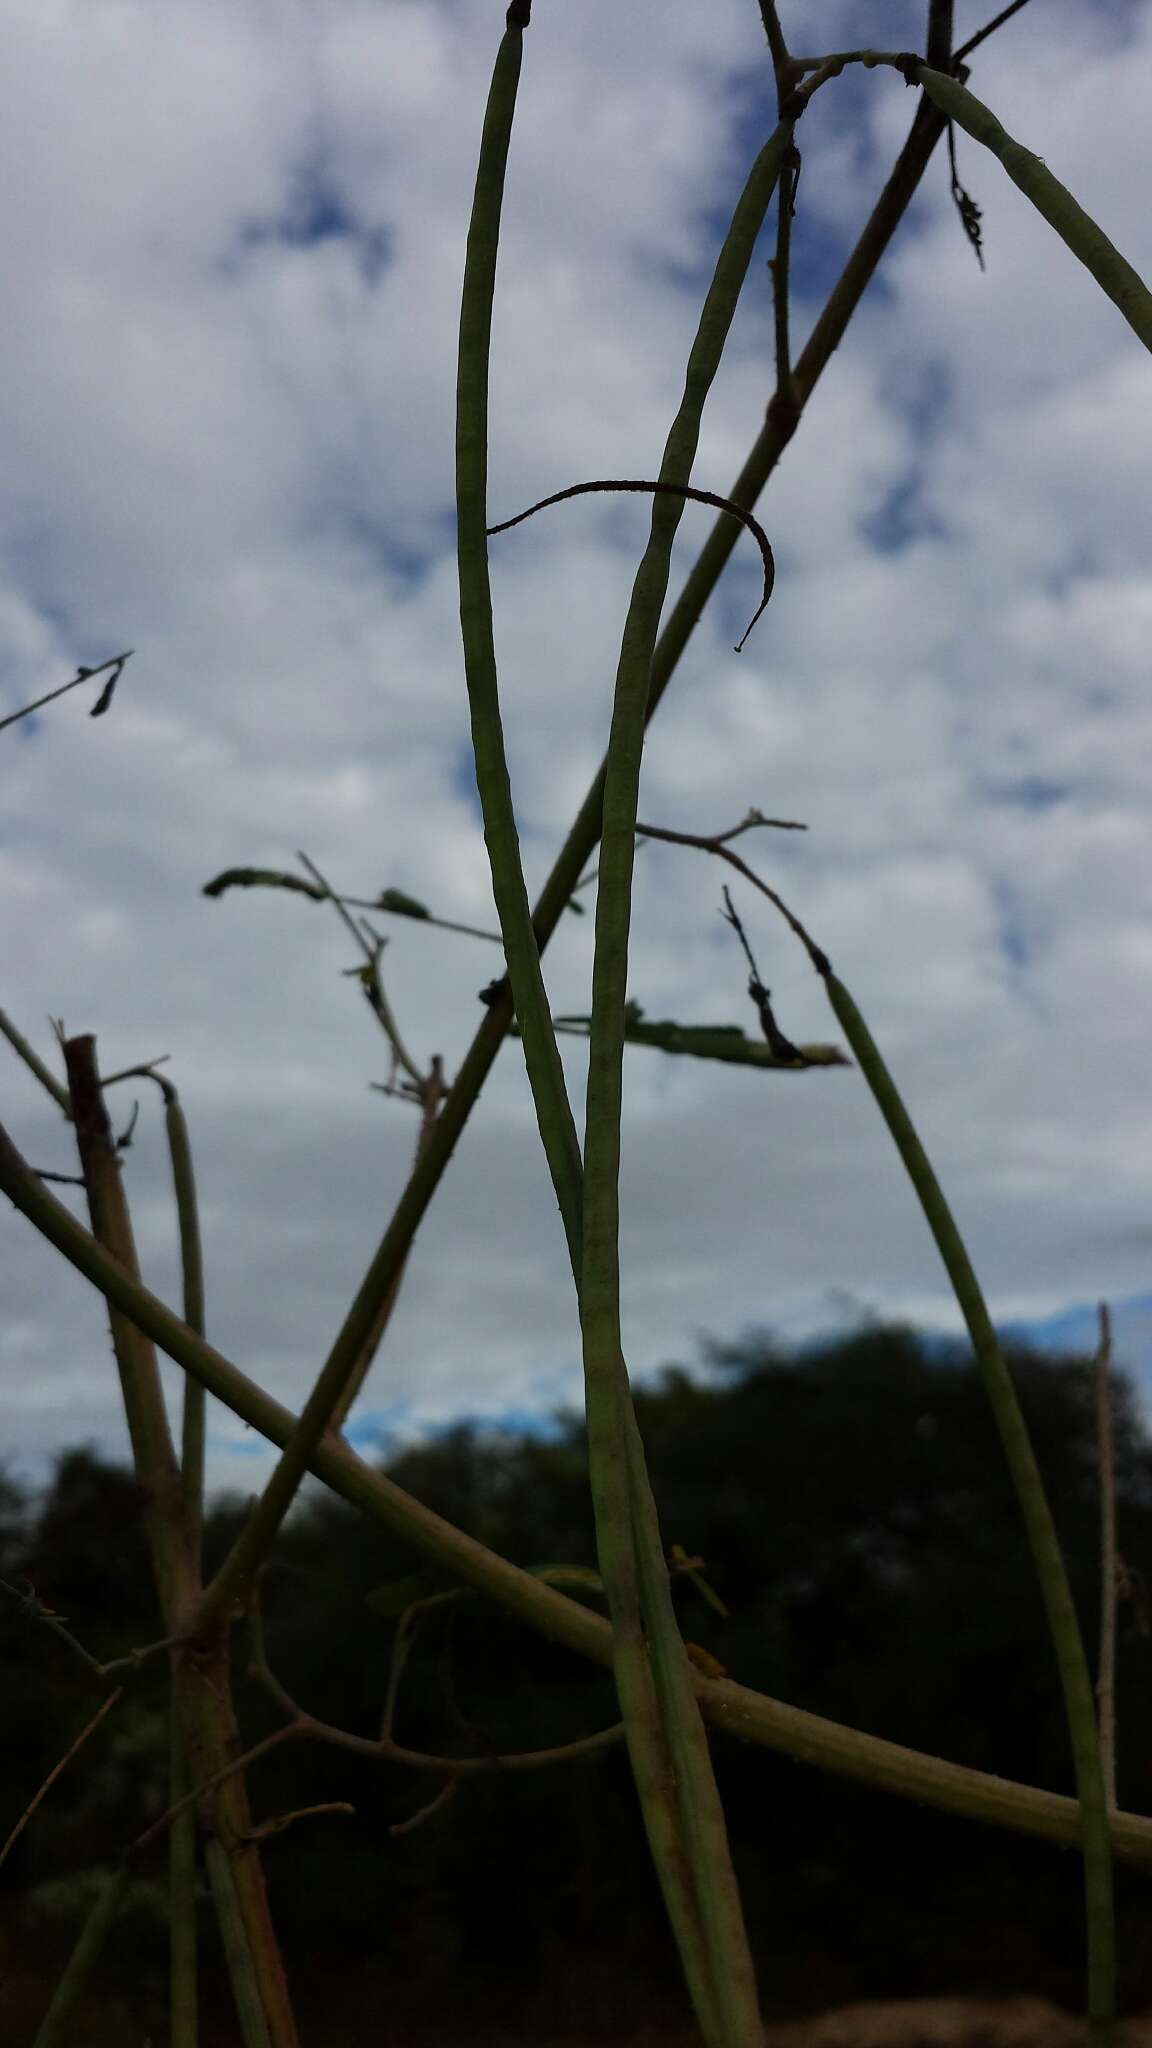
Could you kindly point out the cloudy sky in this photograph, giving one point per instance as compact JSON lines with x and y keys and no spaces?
{"x":233,"y":244}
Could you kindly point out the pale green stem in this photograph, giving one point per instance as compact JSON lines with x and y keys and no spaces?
{"x":192,"y":1269}
{"x":631,"y":1554}
{"x":182,"y":1849}
{"x":183,"y":1989}
{"x":541,"y":1056}
{"x":1124,"y":286}
{"x":1064,"y":1628}
{"x":1106,"y":1466}
{"x":667,"y":1742}
{"x":54,"y":2027}
{"x":35,"y":1064}
{"x":237,"y":1949}
{"x":545,"y":1074}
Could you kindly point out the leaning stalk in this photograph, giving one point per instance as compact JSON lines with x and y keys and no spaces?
{"x":1113,"y":273}
{"x":1067,"y":1642}
{"x":651,"y":1665}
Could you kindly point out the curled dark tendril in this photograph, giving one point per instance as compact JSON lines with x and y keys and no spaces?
{"x":675,"y":491}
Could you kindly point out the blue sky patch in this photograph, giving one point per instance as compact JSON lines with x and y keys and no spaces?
{"x":317,"y":211}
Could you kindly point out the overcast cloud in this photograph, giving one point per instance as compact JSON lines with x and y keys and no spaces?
{"x":233,"y":243}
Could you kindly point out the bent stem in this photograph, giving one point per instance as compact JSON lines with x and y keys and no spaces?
{"x":1063,"y":1626}
{"x":1113,"y":273}
{"x":667,"y":1743}
{"x":201,"y":1682}
{"x":86,"y":1954}
{"x":656,"y":1675}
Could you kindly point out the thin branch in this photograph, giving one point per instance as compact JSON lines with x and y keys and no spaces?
{"x":105,"y":1707}
{"x":782,"y":1048}
{"x":143,"y":1070}
{"x":287,"y":1820}
{"x":430,"y":1095}
{"x":393,"y":902}
{"x":416,"y":1820}
{"x":384,"y":1749}
{"x":778,"y":266}
{"x":157,"y":1828}
{"x":989,"y":29}
{"x":719,"y":846}
{"x":660,"y":486}
{"x":35,"y":1609}
{"x":35,"y":1064}
{"x":82,"y":675}
{"x":369,"y":974}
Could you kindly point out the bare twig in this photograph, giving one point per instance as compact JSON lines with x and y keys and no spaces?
{"x":988,"y":29}
{"x":287,"y":1820}
{"x":658,"y":487}
{"x":105,"y":1707}
{"x":717,"y":844}
{"x":384,"y":1749}
{"x":782,"y":1047}
{"x":446,"y":1793}
{"x":394,"y":902}
{"x":82,"y":675}
{"x":35,"y":1064}
{"x":372,"y":948}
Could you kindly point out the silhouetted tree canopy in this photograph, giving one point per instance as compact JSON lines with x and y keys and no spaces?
{"x":853,"y":1508}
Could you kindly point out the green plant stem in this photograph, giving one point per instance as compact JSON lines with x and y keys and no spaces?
{"x":35,"y":1064}
{"x":1067,"y":1641}
{"x":1124,"y":286}
{"x":152,"y":1449}
{"x":541,"y":1055}
{"x":237,"y":1949}
{"x":183,"y":1992}
{"x":627,"y":1528}
{"x":748,"y":1715}
{"x":54,"y":2026}
{"x":183,"y":1987}
{"x":201,"y":1682}
{"x":681,"y":1852}
{"x":192,"y":1270}
{"x":1106,"y":1467}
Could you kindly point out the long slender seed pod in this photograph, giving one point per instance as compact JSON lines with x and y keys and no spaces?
{"x":553,"y":1110}
{"x":55,"y":2027}
{"x":1064,"y":1628}
{"x":652,"y":1669}
{"x":541,"y":1055}
{"x":1124,"y":286}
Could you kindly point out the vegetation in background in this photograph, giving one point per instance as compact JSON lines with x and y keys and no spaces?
{"x":856,"y":1524}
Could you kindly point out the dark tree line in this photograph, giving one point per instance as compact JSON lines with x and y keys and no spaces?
{"x":854,"y":1513}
